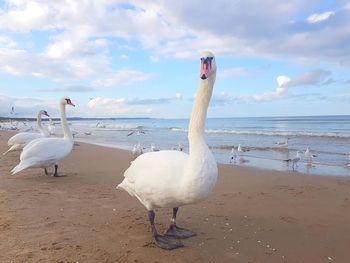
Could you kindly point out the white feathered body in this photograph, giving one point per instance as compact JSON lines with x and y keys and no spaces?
{"x":23,"y":138}
{"x":20,"y":140}
{"x":170,"y":179}
{"x":43,"y":153}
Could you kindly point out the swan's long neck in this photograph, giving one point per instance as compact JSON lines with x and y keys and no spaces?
{"x":199,"y":114}
{"x":38,"y":123}
{"x":67,"y":134}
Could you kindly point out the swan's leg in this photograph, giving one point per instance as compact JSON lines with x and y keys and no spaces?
{"x":177,"y":232}
{"x":163,"y":242}
{"x":56,"y":174}
{"x":46,"y":172}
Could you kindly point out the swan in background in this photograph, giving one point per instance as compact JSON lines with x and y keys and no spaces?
{"x":170,"y":179}
{"x":18,"y":141}
{"x":46,"y":152}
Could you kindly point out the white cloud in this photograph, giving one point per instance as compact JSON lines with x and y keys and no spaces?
{"x":282,"y":82}
{"x":76,"y":88}
{"x":154,"y":59}
{"x":233,"y":72}
{"x":315,"y":18}
{"x":178,"y":96}
{"x":284,"y":85}
{"x":81,"y":29}
{"x":120,"y":78}
{"x":26,"y":106}
{"x":124,"y":57}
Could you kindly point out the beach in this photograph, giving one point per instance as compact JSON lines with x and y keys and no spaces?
{"x":252,"y":215}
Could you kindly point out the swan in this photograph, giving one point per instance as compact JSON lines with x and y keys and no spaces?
{"x":46,"y":152}
{"x":18,"y":141}
{"x":170,"y":179}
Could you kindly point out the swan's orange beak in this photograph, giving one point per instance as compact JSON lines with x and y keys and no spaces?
{"x":206,"y":68}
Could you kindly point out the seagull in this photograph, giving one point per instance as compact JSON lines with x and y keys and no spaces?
{"x":154,"y":149}
{"x":283,"y":143}
{"x":295,"y":160}
{"x":137,"y":150}
{"x":138,"y":131}
{"x":178,"y":147}
{"x":308,"y":155}
{"x":99,"y":125}
{"x":233,"y":155}
{"x":239,"y":150}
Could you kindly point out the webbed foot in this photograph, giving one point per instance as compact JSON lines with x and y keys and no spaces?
{"x":177,"y":232}
{"x":166,"y":242}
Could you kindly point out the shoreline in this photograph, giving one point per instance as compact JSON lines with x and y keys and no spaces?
{"x":119,"y":147}
{"x":252,"y":215}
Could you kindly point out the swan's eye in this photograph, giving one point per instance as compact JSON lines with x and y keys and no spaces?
{"x":68,"y":100}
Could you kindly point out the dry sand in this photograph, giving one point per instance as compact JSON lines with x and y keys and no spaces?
{"x":252,"y":216}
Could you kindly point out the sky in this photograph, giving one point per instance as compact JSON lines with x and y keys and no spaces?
{"x":141,"y":58}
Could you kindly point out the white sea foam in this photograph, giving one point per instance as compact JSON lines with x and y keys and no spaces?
{"x":272,"y":133}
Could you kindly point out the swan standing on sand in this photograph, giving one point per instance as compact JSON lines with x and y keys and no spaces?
{"x":46,"y":152}
{"x":18,"y":141}
{"x":170,"y":179}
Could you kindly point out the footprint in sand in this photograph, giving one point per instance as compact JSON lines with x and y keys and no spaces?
{"x":288,"y":219}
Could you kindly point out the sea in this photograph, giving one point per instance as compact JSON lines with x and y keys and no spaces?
{"x":266,"y":142}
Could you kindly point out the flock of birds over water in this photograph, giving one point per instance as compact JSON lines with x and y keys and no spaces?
{"x":158,"y":178}
{"x":237,"y":155}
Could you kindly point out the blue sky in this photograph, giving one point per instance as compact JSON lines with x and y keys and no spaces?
{"x":141,"y":58}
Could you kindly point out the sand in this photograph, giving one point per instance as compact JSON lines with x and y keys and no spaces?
{"x":252,"y":215}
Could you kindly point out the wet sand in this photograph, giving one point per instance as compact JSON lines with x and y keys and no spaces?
{"x":252,"y":215}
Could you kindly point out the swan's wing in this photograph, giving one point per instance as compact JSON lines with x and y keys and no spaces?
{"x":157,"y":165}
{"x":23,"y":138}
{"x":156,"y":177}
{"x":47,"y":149}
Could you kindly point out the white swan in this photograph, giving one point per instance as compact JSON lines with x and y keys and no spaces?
{"x":171,"y":179}
{"x":18,"y":141}
{"x":46,"y":152}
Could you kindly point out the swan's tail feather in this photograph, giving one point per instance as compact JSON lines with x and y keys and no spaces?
{"x":9,"y":150}
{"x":126,"y":186}
{"x":21,"y":166}
{"x":13,"y":148}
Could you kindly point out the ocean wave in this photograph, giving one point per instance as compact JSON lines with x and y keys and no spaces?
{"x":272,"y":133}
